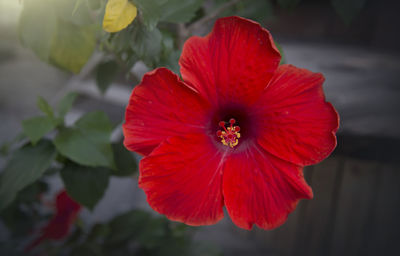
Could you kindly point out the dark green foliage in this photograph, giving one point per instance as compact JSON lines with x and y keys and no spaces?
{"x":45,"y":107}
{"x":66,"y":103}
{"x":88,"y":142}
{"x":259,"y":10}
{"x":20,"y":216}
{"x":86,"y":185}
{"x":65,"y":33}
{"x":106,"y":72}
{"x":153,"y":236}
{"x":25,"y":167}
{"x":176,"y":11}
{"x":124,"y":160}
{"x":145,"y":43}
{"x":35,"y":128}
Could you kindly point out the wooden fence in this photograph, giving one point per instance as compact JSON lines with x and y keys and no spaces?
{"x":356,"y":205}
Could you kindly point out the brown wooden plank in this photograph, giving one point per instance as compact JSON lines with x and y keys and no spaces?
{"x":281,"y":240}
{"x":286,"y":236}
{"x":355,"y":211}
{"x":264,"y":239}
{"x":305,"y":225}
{"x":314,"y":224}
{"x":382,"y":228}
{"x":353,"y":206}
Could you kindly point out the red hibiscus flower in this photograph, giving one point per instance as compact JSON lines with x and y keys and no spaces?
{"x":236,"y":132}
{"x":59,"y":226}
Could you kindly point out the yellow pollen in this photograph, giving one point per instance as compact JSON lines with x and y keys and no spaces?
{"x":230,"y":136}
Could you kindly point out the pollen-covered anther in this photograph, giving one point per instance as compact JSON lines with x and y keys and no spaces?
{"x":230,"y":135}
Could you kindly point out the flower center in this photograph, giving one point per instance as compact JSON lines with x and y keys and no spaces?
{"x":230,"y":135}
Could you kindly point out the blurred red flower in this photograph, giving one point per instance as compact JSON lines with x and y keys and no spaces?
{"x":58,"y":227}
{"x":236,"y":131}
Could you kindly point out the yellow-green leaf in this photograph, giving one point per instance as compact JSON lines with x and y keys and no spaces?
{"x":119,"y":14}
{"x":72,"y":45}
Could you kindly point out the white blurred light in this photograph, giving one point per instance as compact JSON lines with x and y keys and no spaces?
{"x":9,"y":12}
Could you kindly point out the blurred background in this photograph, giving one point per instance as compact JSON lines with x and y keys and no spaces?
{"x":354,"y":43}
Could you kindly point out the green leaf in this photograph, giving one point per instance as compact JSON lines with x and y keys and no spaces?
{"x":66,"y":103}
{"x":73,"y":11}
{"x":86,"y":185}
{"x":35,"y":128}
{"x":106,"y":72}
{"x":37,"y":26}
{"x":58,"y":40}
{"x":167,"y":43}
{"x":169,"y":56}
{"x":6,"y":146}
{"x":25,"y":167}
{"x":124,"y":160}
{"x":88,"y":143}
{"x":126,"y":226}
{"x":348,"y":9}
{"x":176,"y":11}
{"x":120,"y":40}
{"x":151,"y":11}
{"x":21,"y":215}
{"x":72,"y":46}
{"x":172,"y":61}
{"x":180,"y":11}
{"x":30,"y":194}
{"x":280,"y":49}
{"x":146,"y":44}
{"x":255,"y":10}
{"x":45,"y":107}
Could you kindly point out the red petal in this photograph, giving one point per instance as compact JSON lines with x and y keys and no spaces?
{"x":233,"y":63}
{"x":159,"y":107}
{"x":67,"y":212}
{"x":297,"y":124}
{"x":261,"y":189}
{"x":182,"y":179}
{"x":59,"y":225}
{"x":64,"y":203}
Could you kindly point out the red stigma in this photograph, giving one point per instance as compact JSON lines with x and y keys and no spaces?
{"x":230,"y":135}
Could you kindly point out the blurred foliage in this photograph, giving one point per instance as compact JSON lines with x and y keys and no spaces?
{"x":66,"y":34}
{"x":106,"y":73}
{"x":57,"y":35}
{"x":88,"y":141}
{"x":136,"y":233}
{"x":85,"y":184}
{"x":26,"y":166}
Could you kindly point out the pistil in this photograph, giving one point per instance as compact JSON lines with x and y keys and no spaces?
{"x":230,"y":135}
